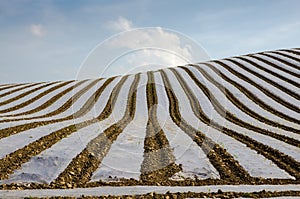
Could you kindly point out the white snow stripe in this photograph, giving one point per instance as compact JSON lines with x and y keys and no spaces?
{"x":20,"y":140}
{"x":24,"y":138}
{"x":122,"y":99}
{"x":125,"y":156}
{"x":242,"y":97}
{"x":187,"y":153}
{"x":6,"y":87}
{"x":56,"y":105}
{"x":277,"y":68}
{"x":253,"y":163}
{"x":230,"y":107}
{"x":280,"y":63}
{"x":40,"y":101}
{"x":57,"y":157}
{"x":24,"y":99}
{"x":46,"y":166}
{"x":13,"y":88}
{"x":76,"y":106}
{"x":266,"y":85}
{"x":17,"y":93}
{"x":140,"y":190}
{"x":271,"y":68}
{"x":258,"y":93}
{"x":210,"y":111}
{"x":291,"y":54}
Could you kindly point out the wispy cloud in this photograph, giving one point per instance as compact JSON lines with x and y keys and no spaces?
{"x":37,"y":30}
{"x":141,"y":49}
{"x":121,"y":24}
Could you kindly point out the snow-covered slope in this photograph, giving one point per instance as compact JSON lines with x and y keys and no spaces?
{"x":230,"y":121}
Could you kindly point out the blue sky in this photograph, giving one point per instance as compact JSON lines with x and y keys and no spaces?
{"x":48,"y":40}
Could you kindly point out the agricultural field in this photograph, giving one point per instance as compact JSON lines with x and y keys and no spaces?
{"x":223,"y":128}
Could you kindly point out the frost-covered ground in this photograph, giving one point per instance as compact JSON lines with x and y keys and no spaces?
{"x":248,"y":106}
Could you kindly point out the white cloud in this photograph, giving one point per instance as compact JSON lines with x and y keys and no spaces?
{"x":37,"y":30}
{"x":158,"y":38}
{"x":121,"y":24}
{"x":139,"y":50}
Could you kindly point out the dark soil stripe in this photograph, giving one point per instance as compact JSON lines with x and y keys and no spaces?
{"x":217,"y":194}
{"x":261,"y":88}
{"x":228,"y":168}
{"x":14,"y":160}
{"x":74,"y":98}
{"x":159,"y":162}
{"x":277,"y":66}
{"x":246,"y":59}
{"x":11,"y":86}
{"x":229,"y":116}
{"x":42,"y":106}
{"x":282,"y":160}
{"x":289,"y":56}
{"x":25,"y":93}
{"x":23,"y":127}
{"x":294,"y":52}
{"x":39,"y":96}
{"x":80,"y":170}
{"x":68,"y":103}
{"x":237,"y":102}
{"x":250,"y":95}
{"x":47,"y":103}
{"x":18,"y":89}
{"x":291,"y":65}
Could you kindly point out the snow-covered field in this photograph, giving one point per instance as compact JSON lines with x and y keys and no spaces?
{"x":225,"y":122}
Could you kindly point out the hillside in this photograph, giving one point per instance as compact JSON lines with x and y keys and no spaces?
{"x":234,"y":121}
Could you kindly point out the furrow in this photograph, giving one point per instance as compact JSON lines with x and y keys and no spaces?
{"x":4,"y":85}
{"x":15,"y":160}
{"x":283,"y":79}
{"x":11,"y":87}
{"x":39,"y":96}
{"x":290,"y":53}
{"x":47,"y":165}
{"x":159,"y":161}
{"x":212,"y":114}
{"x":277,"y":67}
{"x":21,"y":113}
{"x":20,"y":140}
{"x":128,"y":148}
{"x":283,"y":161}
{"x":228,"y":168}
{"x":23,"y":127}
{"x":296,"y":53}
{"x":283,"y":60}
{"x":271,"y":82}
{"x":230,"y":117}
{"x":261,"y":88}
{"x":49,"y":102}
{"x":15,"y":100}
{"x":85,"y":164}
{"x":195,"y":164}
{"x":24,"y":94}
{"x":237,"y":102}
{"x":250,"y":94}
{"x":74,"y":98}
{"x":19,"y":89}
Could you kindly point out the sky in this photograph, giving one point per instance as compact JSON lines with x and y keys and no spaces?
{"x":48,"y":40}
